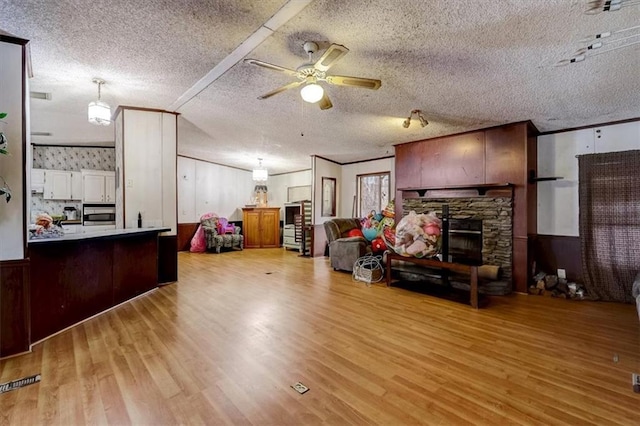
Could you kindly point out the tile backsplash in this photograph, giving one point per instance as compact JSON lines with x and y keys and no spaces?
{"x":70,"y":159}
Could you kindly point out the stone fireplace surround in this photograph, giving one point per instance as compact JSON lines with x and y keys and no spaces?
{"x":496,"y":214}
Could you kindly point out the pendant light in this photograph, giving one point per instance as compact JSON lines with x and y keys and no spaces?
{"x":260,"y":174}
{"x":99,"y":112}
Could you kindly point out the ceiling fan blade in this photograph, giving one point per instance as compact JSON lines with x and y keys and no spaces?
{"x":281,"y":89}
{"x":273,"y":67}
{"x":343,"y":80}
{"x":334,"y":53}
{"x":325,"y":102}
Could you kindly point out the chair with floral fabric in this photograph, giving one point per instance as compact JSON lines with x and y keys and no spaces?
{"x":218,"y":235}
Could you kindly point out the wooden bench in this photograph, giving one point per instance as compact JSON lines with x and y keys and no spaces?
{"x":472,"y":271}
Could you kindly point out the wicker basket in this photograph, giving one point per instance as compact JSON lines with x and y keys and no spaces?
{"x":368,"y":269}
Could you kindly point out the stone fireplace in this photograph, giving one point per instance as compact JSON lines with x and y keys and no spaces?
{"x":496,"y":214}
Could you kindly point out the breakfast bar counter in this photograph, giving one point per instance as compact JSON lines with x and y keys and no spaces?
{"x":76,"y":276}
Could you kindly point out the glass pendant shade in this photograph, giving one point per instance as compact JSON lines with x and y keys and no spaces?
{"x":260,"y":175}
{"x":99,"y":113}
{"x":312,"y":93}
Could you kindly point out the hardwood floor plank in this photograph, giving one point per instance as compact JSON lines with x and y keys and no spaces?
{"x":224,"y":344}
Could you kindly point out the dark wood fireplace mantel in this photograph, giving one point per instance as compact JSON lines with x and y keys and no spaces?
{"x":482,"y":188}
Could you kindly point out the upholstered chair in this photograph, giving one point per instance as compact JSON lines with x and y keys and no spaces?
{"x":216,"y":238}
{"x":343,"y":249}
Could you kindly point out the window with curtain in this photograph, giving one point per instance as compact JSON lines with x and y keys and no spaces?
{"x":610,"y":223}
{"x":372,"y":192}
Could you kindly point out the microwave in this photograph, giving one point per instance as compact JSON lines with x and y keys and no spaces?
{"x":98,"y":214}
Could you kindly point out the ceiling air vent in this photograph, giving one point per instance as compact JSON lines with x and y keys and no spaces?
{"x":40,"y":95}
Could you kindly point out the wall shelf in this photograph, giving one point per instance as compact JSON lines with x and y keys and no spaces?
{"x":534,"y":179}
{"x":482,"y":188}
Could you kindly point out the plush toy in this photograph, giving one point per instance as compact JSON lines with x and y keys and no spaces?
{"x":418,"y":235}
{"x":44,"y":220}
{"x":355,"y":233}
{"x":378,"y":245}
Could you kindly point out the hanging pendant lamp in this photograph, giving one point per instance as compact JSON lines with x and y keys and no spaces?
{"x":99,"y":112}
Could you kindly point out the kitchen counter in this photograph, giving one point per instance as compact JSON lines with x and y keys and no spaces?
{"x":113,"y":233}
{"x":76,"y":276}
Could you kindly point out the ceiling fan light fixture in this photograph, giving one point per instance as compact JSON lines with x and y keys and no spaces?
{"x":406,"y":123}
{"x":98,"y":112}
{"x":312,"y":93}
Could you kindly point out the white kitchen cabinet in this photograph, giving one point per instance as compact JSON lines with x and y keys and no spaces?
{"x":110,"y":188}
{"x":57,"y":185}
{"x":72,"y":229}
{"x":76,"y":186}
{"x":98,"y":186}
{"x":37,"y":181}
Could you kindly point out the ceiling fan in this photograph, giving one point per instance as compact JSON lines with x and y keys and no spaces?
{"x":309,"y":74}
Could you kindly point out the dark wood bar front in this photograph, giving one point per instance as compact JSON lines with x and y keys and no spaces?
{"x":74,"y":279}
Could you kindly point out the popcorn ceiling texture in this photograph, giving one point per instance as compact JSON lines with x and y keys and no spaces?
{"x":465,"y":64}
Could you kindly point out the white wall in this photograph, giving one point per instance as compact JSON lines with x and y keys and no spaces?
{"x":205,"y":187}
{"x":558,"y":210}
{"x":323,"y":168}
{"x":349,"y":183}
{"x":278,"y":186}
{"x":12,"y":233}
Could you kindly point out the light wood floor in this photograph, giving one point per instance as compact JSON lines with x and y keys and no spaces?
{"x":224,"y":345}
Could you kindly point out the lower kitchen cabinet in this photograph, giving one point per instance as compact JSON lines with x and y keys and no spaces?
{"x":261,"y":227}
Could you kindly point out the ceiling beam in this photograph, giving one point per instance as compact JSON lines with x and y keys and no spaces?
{"x":284,"y":14}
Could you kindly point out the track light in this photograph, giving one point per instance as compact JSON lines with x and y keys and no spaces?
{"x":423,"y":121}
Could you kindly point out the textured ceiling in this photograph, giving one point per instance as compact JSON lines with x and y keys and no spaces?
{"x":466,"y":64}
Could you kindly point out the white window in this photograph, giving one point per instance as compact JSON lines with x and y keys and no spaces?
{"x":372,"y":192}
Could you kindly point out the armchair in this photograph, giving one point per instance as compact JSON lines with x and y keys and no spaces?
{"x":217,"y":233}
{"x":345,"y":250}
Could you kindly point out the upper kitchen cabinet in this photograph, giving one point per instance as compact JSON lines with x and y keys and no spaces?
{"x":59,"y":185}
{"x":37,"y":181}
{"x":98,"y":186}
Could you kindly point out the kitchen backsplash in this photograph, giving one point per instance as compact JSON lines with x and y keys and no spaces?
{"x":69,"y":159}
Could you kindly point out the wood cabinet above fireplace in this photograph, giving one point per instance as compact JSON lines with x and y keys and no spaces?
{"x":422,"y":162}
{"x":498,"y":158}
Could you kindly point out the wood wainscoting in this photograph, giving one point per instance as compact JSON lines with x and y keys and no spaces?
{"x":556,"y":251}
{"x":14,"y":307}
{"x":186,"y":231}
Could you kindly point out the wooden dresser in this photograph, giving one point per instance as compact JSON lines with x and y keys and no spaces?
{"x":261,"y":227}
